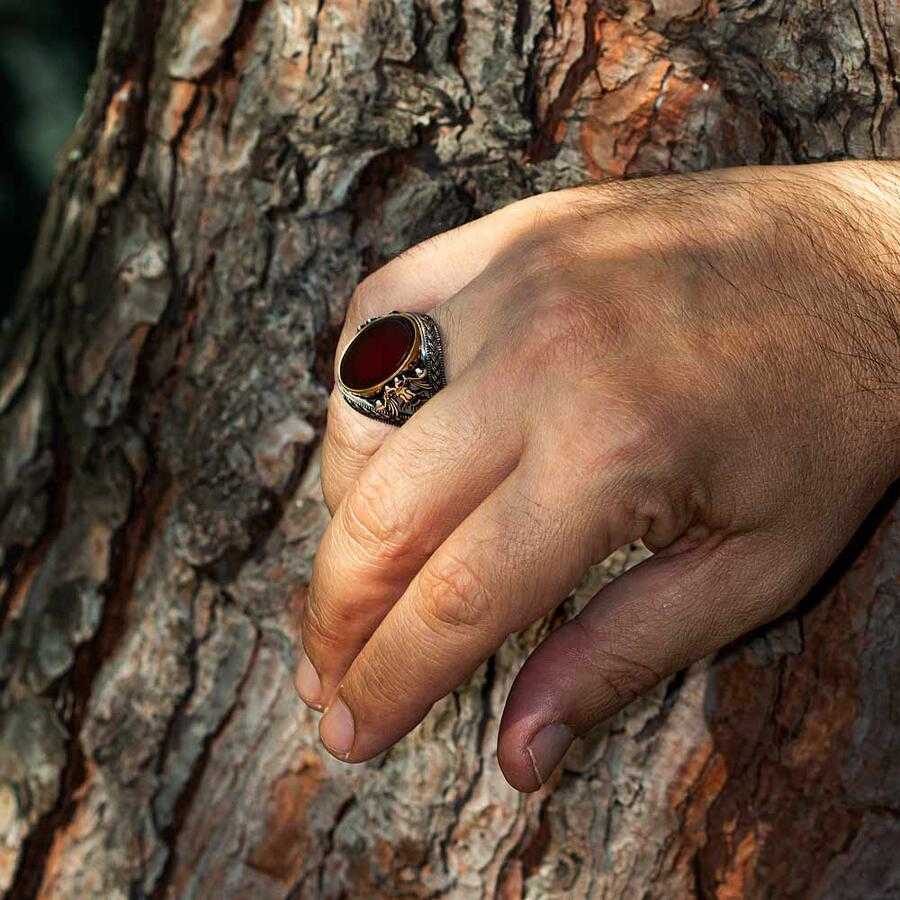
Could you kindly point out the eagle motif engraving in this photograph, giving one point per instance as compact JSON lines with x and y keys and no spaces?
{"x":404,"y":394}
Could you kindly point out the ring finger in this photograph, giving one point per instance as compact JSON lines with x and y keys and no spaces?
{"x":419,"y":485}
{"x":450,"y":265}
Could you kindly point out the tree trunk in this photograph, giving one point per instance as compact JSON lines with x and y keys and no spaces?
{"x":239,"y":167}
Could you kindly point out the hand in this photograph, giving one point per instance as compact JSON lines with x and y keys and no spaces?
{"x":703,"y":363}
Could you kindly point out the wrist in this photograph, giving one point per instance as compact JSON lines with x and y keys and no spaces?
{"x":864,"y":251}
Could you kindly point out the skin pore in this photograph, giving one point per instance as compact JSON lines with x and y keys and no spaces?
{"x":708,"y":363}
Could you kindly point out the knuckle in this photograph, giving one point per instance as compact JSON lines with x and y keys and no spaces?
{"x":623,"y":454}
{"x":638,"y":435}
{"x":565,"y":321}
{"x":623,"y":675}
{"x":454,"y":596}
{"x":372,"y":518}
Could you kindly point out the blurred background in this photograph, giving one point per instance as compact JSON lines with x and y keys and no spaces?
{"x":47,"y":54}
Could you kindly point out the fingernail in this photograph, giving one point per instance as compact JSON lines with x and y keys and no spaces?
{"x":337,"y":730}
{"x":309,"y":687}
{"x":547,"y":748}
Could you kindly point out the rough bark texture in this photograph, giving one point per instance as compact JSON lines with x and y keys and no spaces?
{"x":239,"y":167}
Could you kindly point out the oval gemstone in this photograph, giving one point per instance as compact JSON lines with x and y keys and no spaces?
{"x":377,"y":353}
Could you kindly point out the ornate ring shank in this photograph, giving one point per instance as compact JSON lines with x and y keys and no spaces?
{"x":393,"y":365}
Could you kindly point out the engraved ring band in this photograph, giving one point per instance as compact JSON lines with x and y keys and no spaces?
{"x":393,"y":365}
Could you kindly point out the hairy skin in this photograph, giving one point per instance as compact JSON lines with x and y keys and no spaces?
{"x":707,"y":363}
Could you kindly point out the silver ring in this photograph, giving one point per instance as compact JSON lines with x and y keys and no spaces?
{"x":393,"y":366}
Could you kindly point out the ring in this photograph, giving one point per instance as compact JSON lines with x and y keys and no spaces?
{"x":393,"y":365}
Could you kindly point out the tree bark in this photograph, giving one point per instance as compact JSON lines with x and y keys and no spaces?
{"x":239,"y":167}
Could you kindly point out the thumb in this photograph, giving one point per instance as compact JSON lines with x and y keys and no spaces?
{"x":649,"y":623}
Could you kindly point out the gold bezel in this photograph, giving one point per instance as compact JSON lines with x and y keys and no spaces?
{"x":413,"y":353}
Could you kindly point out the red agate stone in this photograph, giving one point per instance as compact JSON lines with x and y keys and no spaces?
{"x":377,"y":352}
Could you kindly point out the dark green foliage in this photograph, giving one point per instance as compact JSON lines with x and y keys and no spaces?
{"x":47,"y":50}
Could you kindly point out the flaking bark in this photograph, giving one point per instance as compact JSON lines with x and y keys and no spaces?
{"x":239,"y":167}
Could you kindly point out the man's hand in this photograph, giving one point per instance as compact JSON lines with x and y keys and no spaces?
{"x":706,"y":363}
